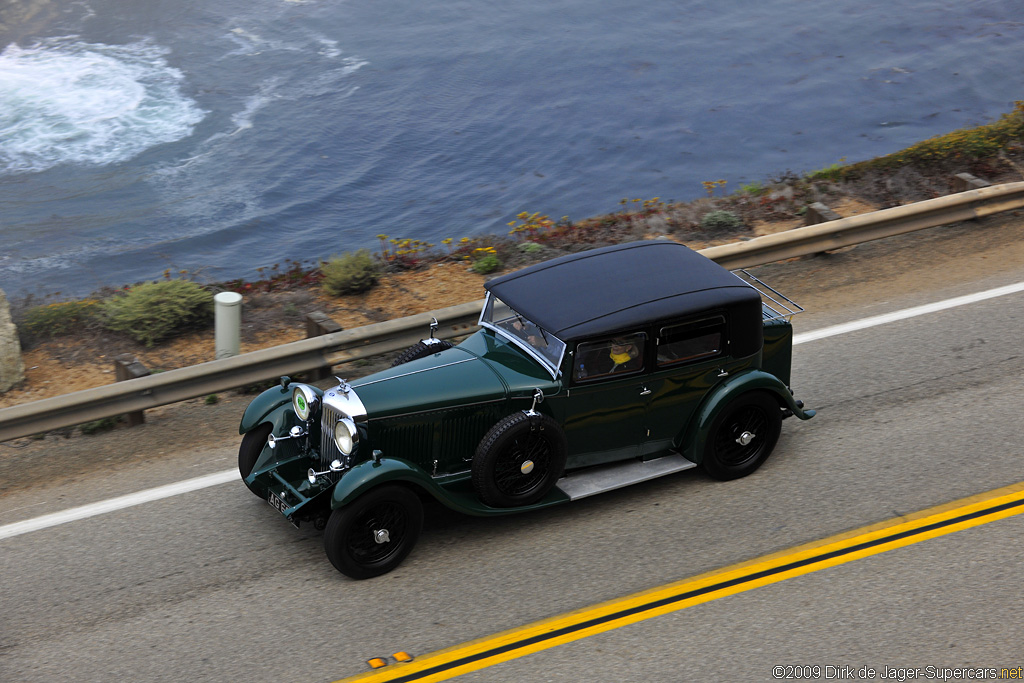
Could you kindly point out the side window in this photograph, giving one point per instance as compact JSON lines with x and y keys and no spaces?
{"x":619,"y":356}
{"x":691,"y":342}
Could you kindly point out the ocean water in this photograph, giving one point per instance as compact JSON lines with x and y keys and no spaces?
{"x":222,"y":137}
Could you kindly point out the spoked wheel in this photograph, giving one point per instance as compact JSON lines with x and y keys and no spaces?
{"x":742,"y":436}
{"x":250,"y":449}
{"x":519,"y":460}
{"x":372,"y":535}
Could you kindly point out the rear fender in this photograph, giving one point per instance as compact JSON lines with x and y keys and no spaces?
{"x":693,"y":437}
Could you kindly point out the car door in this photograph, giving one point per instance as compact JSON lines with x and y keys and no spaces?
{"x":605,"y":406}
{"x":691,"y":357}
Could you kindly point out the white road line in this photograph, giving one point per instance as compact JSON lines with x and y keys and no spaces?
{"x":874,"y":321}
{"x":149,"y":495}
{"x":121,"y":502}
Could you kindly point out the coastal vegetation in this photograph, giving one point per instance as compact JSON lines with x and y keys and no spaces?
{"x":983,"y":145}
{"x":59,"y":318}
{"x":720,"y":221}
{"x":147,"y":313}
{"x":351,"y":273}
{"x":151,"y":312}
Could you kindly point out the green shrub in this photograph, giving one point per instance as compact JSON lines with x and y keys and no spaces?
{"x":350,"y":273}
{"x":60,"y":318}
{"x":487,"y":264}
{"x":104,"y":424}
{"x":530,"y":247}
{"x":153,"y":311}
{"x":831,"y":172}
{"x":720,"y":221}
{"x":485,"y":260}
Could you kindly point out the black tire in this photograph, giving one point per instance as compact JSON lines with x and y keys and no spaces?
{"x":421,"y":350}
{"x":519,"y":441}
{"x":250,"y":449}
{"x":352,"y":540}
{"x":742,"y":436}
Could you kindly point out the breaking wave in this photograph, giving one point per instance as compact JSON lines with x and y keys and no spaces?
{"x":71,"y":102}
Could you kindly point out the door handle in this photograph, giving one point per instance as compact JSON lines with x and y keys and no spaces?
{"x":645,"y":391}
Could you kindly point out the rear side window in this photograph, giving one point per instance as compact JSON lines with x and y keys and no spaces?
{"x":622,"y":355}
{"x":690,"y":342}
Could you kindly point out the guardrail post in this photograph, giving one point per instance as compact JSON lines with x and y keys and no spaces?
{"x":318,"y":324}
{"x":127,"y":366}
{"x":965,"y":181}
{"x":819,"y":213}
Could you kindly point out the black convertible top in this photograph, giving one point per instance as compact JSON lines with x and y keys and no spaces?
{"x":616,"y":288}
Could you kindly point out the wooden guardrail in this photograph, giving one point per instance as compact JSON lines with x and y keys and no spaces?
{"x":330,"y":349}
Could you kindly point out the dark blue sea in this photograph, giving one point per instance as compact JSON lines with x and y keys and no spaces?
{"x":220,"y":137}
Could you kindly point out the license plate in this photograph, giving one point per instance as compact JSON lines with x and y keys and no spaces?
{"x":276,"y":502}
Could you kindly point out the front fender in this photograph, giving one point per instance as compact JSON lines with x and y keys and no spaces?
{"x":696,"y":432}
{"x":266,"y":403}
{"x":371,"y":473}
{"x":456,"y":495}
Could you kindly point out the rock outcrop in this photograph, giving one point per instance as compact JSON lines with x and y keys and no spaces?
{"x":12,"y":370}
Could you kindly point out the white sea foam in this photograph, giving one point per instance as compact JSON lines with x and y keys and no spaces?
{"x":67,"y":101}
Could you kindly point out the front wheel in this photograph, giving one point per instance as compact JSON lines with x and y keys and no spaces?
{"x":372,"y":535}
{"x":742,"y":436}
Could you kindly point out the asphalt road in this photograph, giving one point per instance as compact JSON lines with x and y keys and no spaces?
{"x":215,"y":585}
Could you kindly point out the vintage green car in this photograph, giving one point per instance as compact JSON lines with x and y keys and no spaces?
{"x":588,"y":373}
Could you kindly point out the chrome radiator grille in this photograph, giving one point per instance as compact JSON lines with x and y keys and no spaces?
{"x":328,"y":449}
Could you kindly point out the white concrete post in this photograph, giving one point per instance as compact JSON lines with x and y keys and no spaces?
{"x":227,"y":323}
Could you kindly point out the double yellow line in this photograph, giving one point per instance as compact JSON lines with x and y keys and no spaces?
{"x":829,"y":552}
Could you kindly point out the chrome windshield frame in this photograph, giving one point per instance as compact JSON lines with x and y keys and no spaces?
{"x":553,"y":368}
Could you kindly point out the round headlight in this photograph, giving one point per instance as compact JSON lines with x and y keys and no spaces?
{"x":345,"y":435}
{"x":304,"y":401}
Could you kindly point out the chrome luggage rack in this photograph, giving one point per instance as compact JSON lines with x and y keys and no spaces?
{"x":774,"y":304}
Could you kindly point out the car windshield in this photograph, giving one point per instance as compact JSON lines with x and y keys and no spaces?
{"x":539,"y":343}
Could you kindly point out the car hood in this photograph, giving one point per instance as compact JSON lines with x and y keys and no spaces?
{"x":483,"y":368}
{"x":447,"y":379}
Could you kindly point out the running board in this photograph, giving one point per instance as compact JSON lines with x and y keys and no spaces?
{"x":617,"y":475}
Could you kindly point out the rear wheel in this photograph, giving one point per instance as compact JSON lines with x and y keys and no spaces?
{"x":742,"y":436}
{"x":250,"y":449}
{"x":372,"y":535}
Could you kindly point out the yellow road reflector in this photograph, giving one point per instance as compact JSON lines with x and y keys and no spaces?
{"x":377,"y":662}
{"x":402,"y":657}
{"x":828,"y":552}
